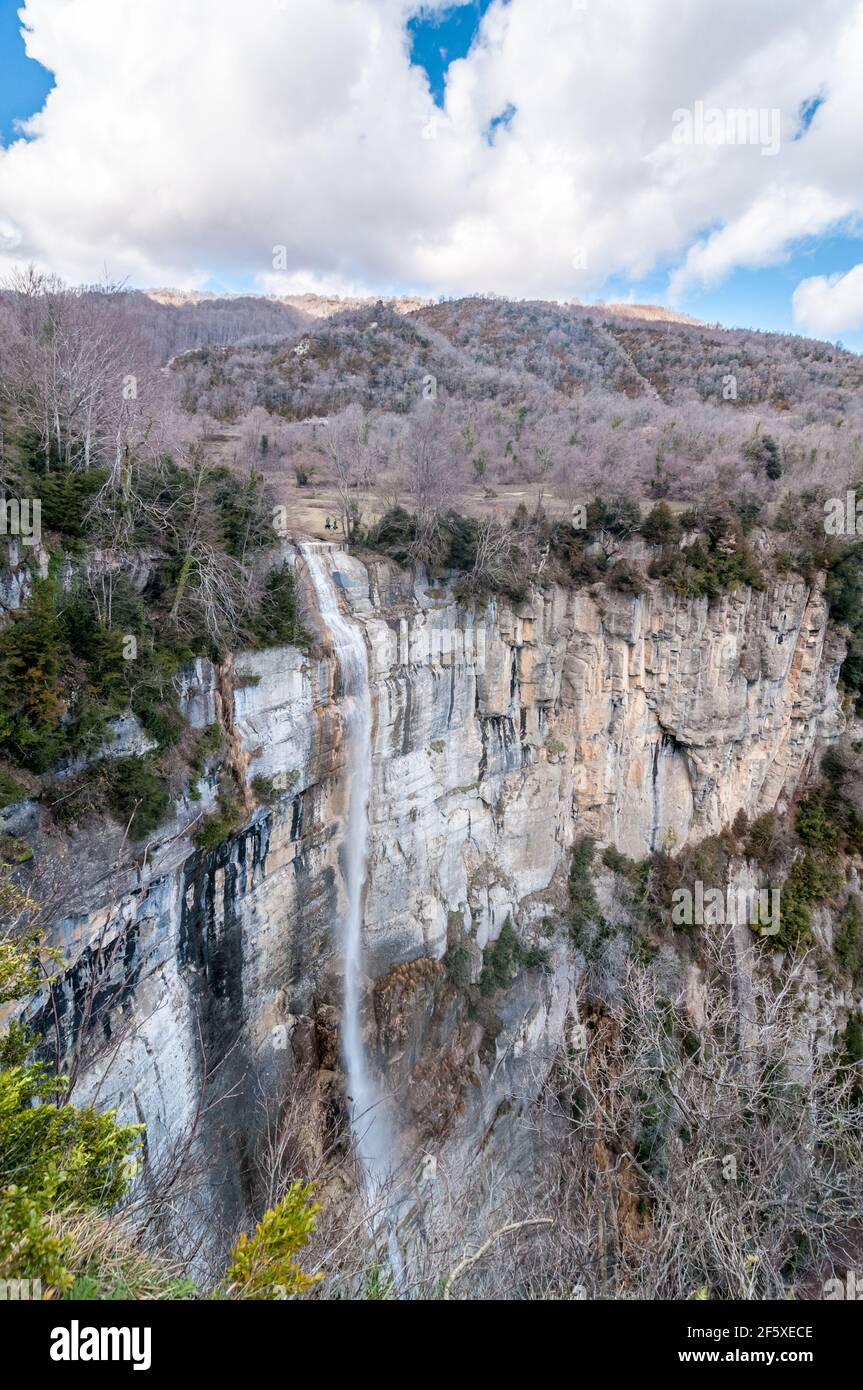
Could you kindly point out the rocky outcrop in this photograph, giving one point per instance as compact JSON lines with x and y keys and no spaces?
{"x":500,"y":734}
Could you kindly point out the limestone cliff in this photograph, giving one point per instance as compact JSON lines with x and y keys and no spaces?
{"x":500,"y":734}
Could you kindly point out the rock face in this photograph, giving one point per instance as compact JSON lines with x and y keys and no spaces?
{"x":499,"y":736}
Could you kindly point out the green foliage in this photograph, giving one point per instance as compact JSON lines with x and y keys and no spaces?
{"x":31,"y":705}
{"x":14,"y":850}
{"x":30,"y":1247}
{"x":763,"y":450}
{"x":585,"y":919}
{"x":761,"y":839}
{"x":650,"y":1144}
{"x":709,"y":567}
{"x":660,"y":526}
{"x":815,"y":827}
{"x":66,"y":496}
{"x":457,"y":964}
{"x":844,"y":591}
{"x":264,"y":1265}
{"x":813,"y":878}
{"x":58,"y":1153}
{"x":854,"y":1040}
{"x":617,"y":516}
{"x":244,"y":511}
{"x":829,"y":819}
{"x":10,"y":790}
{"x":223,"y":823}
{"x":848,"y":940}
{"x":504,"y":958}
{"x":135,"y":794}
{"x":379,"y":1285}
{"x":53,"y":1155}
{"x":277,"y":623}
{"x":63,"y":675}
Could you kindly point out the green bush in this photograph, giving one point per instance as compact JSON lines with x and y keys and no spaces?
{"x":707,"y":568}
{"x":848,"y":941}
{"x":854,"y":1040}
{"x":660,"y":526}
{"x":844,"y":592}
{"x":264,"y":1265}
{"x":503,"y":959}
{"x":221,"y":824}
{"x":31,"y":703}
{"x":584,"y":914}
{"x":10,"y":790}
{"x":277,"y":623}
{"x":53,"y":1155}
{"x":457,"y":964}
{"x":135,"y":794}
{"x":66,"y":498}
{"x":761,"y":839}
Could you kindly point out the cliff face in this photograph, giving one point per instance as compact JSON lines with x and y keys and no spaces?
{"x":498,"y":737}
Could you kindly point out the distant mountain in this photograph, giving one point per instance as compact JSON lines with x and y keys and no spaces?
{"x":488,"y":349}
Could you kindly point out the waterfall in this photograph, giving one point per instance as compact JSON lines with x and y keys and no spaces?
{"x":368,"y":1120}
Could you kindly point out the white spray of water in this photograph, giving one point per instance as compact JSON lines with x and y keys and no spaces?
{"x":368,"y":1120}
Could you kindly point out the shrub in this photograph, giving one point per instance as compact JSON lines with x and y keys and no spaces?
{"x":135,"y":794}
{"x":761,"y":840}
{"x":502,"y":960}
{"x":708,"y":567}
{"x":67,"y":1154}
{"x":223,"y":823}
{"x":854,"y":1041}
{"x":30,"y":1248}
{"x":53,"y":1154}
{"x":624,"y":577}
{"x":618,"y":516}
{"x":457,"y":964}
{"x":844,"y":592}
{"x":848,"y":941}
{"x":31,"y":705}
{"x":264,"y":1265}
{"x":277,"y":623}
{"x":66,"y":498}
{"x":584,"y":914}
{"x":10,"y":790}
{"x":660,"y":526}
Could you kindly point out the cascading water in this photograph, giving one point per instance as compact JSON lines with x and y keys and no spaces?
{"x":368,"y":1119}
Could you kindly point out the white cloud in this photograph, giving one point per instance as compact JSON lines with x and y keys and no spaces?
{"x":830,"y":304}
{"x":184,"y":141}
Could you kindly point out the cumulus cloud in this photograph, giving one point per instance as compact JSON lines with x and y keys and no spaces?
{"x":188,"y":141}
{"x":830,"y":304}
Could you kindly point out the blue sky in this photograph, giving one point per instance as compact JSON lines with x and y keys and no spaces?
{"x":759,"y":298}
{"x":24,"y":84}
{"x":438,"y":39}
